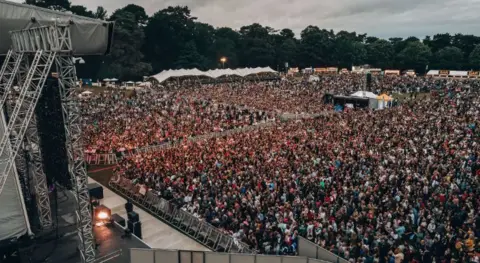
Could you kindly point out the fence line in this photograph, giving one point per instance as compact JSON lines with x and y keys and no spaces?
{"x":181,"y":220}
{"x":181,"y":256}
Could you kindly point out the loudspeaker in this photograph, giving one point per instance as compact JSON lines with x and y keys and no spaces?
{"x":135,"y":228}
{"x":95,"y":190}
{"x":133,"y":216}
{"x":120,"y":220}
{"x":129,"y":207}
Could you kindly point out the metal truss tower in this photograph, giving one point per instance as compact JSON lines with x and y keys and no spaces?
{"x":48,"y":45}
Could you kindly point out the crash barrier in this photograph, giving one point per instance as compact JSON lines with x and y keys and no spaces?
{"x":113,"y":158}
{"x":181,"y":220}
{"x":101,"y":159}
{"x":311,"y":250}
{"x":181,"y":256}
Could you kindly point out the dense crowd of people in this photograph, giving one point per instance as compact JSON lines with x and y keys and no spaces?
{"x":117,"y":121}
{"x":394,"y":185}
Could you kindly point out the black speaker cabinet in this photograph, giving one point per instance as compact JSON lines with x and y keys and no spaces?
{"x":95,"y":190}
{"x":129,"y":207}
{"x":135,"y":228}
{"x":133,"y":216}
{"x":120,"y":220}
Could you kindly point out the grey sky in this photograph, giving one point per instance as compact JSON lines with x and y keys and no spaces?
{"x":382,"y":18}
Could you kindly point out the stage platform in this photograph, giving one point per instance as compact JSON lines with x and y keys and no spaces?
{"x":156,"y":234}
{"x":111,"y":247}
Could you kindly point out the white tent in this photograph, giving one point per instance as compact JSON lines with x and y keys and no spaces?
{"x":365,"y":94}
{"x":215,"y":73}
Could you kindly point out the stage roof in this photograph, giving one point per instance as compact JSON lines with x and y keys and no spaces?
{"x":89,"y":36}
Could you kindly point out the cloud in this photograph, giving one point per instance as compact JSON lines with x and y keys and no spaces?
{"x":382,"y":18}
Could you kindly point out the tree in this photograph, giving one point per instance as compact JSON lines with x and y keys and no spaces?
{"x":125,"y":60}
{"x":166,"y":33}
{"x":257,"y":46}
{"x":227,"y":45}
{"x":349,"y":52}
{"x":60,"y":5}
{"x":451,"y":58}
{"x":380,"y":54}
{"x":474,"y":57}
{"x":415,"y":56}
{"x":204,"y":39}
{"x":101,"y":13}
{"x":190,"y":58}
{"x":138,"y":11}
{"x":81,"y":11}
{"x":316,"y":47}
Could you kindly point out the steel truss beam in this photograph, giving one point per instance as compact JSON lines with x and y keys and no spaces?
{"x":67,"y":78}
{"x":28,"y":95}
{"x":8,"y":73}
{"x":34,"y":155}
{"x":38,"y":175}
{"x":54,"y":38}
{"x":47,"y":43}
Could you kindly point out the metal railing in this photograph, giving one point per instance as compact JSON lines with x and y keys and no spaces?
{"x":312,"y":250}
{"x":181,"y":220}
{"x":182,"y":256}
{"x":101,"y":159}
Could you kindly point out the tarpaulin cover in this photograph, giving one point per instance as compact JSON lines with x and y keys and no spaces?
{"x":89,"y":36}
{"x":13,"y":219}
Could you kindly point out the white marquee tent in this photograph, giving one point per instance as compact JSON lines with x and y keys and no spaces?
{"x":215,"y":73}
{"x":364,"y":94}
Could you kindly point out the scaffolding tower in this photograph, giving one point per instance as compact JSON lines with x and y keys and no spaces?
{"x":28,"y":64}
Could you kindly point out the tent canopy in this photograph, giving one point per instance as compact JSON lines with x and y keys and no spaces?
{"x":215,"y":73}
{"x":384,"y":97}
{"x":365,"y":94}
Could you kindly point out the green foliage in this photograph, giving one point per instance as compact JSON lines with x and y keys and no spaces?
{"x":449,"y":58}
{"x":173,"y":38}
{"x":474,"y":57}
{"x":415,"y":55}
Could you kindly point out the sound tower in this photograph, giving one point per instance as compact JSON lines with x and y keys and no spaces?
{"x":52,"y":134}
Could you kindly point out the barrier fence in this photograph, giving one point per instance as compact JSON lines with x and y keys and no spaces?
{"x":181,"y":220}
{"x":311,"y":250}
{"x":174,"y":256}
{"x":101,"y":159}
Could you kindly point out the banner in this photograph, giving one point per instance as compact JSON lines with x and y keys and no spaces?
{"x":320,"y":70}
{"x":444,"y":72}
{"x":392,"y":72}
{"x":473,"y":73}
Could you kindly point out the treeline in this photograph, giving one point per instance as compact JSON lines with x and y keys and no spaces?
{"x":173,"y":38}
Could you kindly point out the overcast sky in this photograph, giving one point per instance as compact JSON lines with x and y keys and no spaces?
{"x":382,"y":18}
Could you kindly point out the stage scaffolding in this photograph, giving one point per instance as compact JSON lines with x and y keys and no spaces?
{"x":27,"y":65}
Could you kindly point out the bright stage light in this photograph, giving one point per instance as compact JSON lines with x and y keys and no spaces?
{"x":102,"y":216}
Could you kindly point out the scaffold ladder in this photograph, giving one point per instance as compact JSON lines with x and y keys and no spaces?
{"x":21,"y":116}
{"x":8,"y":73}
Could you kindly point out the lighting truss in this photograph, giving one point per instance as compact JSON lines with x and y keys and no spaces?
{"x":49,"y":44}
{"x":67,"y":78}
{"x":32,"y":147}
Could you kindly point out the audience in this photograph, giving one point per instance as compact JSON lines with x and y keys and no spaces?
{"x":399,"y":184}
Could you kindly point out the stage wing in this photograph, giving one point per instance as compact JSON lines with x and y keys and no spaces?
{"x":13,"y":218}
{"x":89,"y":36}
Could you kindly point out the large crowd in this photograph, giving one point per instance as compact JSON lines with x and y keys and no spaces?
{"x":393,"y":185}
{"x":118,"y":121}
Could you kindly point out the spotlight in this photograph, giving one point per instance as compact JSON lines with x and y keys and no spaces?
{"x":102,"y":215}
